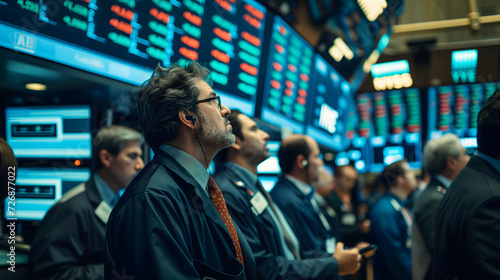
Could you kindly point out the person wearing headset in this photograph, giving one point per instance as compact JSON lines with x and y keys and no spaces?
{"x":300,"y":162}
{"x":172,"y":221}
{"x":274,"y":244}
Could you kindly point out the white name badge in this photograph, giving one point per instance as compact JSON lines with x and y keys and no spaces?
{"x":259,"y":203}
{"x":330,"y":244}
{"x":348,"y":219}
{"x":103,"y":211}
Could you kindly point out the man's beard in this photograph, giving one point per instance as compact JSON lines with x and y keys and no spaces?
{"x":212,"y":137}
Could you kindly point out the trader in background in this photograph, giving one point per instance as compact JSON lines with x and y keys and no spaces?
{"x":391,"y":224}
{"x":353,"y":227}
{"x":273,"y":242}
{"x":69,"y":243}
{"x":8,"y":167}
{"x":300,"y":162}
{"x":172,"y":221}
{"x":468,"y":218}
{"x":443,"y":159}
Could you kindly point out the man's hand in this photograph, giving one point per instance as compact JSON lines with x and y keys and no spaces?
{"x":349,"y":261}
{"x":362,"y":245}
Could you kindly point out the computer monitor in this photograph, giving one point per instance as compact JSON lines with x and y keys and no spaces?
{"x":49,"y":132}
{"x":37,"y":189}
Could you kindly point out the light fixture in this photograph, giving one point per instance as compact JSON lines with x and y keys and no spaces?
{"x":36,"y":86}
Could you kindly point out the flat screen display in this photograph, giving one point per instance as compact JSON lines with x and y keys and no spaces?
{"x":330,"y":104}
{"x":287,"y":90}
{"x":37,"y":189}
{"x":455,"y":109}
{"x":49,"y":132}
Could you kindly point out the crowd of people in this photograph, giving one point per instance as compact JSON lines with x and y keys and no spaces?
{"x":176,"y":220}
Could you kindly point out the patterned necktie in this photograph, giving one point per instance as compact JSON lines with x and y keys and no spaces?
{"x":220,"y":204}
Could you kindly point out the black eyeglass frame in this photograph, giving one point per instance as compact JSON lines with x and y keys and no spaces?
{"x":211,"y":99}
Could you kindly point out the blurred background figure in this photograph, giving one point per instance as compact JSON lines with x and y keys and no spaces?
{"x":8,"y":163}
{"x":443,"y":159}
{"x":391,"y":224}
{"x":69,"y":244}
{"x":468,"y":217}
{"x":353,"y":226}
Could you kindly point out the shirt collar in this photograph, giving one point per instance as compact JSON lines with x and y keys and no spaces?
{"x":443,"y":180}
{"x":490,"y":160}
{"x":301,"y":186}
{"x":189,"y":163}
{"x":245,"y":175}
{"x":105,"y":192}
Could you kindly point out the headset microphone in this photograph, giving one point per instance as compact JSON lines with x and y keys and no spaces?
{"x":193,"y":120}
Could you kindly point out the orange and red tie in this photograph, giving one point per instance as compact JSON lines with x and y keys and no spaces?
{"x":220,"y":204}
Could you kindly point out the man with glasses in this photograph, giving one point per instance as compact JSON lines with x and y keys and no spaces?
{"x":172,"y":222}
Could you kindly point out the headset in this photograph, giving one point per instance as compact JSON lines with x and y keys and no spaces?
{"x":305,"y":163}
{"x":193,"y":120}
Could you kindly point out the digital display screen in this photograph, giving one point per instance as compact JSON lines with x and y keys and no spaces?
{"x":330,"y":104}
{"x":391,"y":122}
{"x":289,"y":69}
{"x":126,"y":39}
{"x":455,"y":109}
{"x":55,"y":132}
{"x":37,"y":189}
{"x":270,"y":165}
{"x":357,"y":153}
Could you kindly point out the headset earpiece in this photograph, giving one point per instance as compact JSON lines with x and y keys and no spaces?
{"x":191,"y":118}
{"x":305,"y":163}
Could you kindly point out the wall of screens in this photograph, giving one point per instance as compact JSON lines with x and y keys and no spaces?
{"x":455,"y":108}
{"x":125,"y":39}
{"x":391,"y":123}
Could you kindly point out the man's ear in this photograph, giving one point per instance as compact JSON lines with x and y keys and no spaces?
{"x":105,"y":157}
{"x":184,"y":118}
{"x":451,"y":163}
{"x":237,"y":144}
{"x":299,"y":160}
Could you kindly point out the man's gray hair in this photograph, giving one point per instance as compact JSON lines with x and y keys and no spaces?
{"x":113,"y":139}
{"x":436,"y":151}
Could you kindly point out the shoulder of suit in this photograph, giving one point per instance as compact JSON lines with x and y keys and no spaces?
{"x":73,"y":193}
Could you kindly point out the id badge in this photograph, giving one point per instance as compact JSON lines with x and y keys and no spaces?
{"x":348,"y":219}
{"x":330,"y":245}
{"x":259,"y":203}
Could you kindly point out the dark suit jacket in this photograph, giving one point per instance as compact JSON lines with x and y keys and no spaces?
{"x":69,"y":244}
{"x":301,"y":215}
{"x":424,"y":212}
{"x":468,"y":225}
{"x":262,"y":234}
{"x":166,"y":227}
{"x":350,"y":234}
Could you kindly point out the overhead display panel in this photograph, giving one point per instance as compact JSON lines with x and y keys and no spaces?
{"x":329,"y":106}
{"x":455,"y":109}
{"x":287,"y":90}
{"x":126,"y":39}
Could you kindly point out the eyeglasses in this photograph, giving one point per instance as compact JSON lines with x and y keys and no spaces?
{"x":213,"y":99}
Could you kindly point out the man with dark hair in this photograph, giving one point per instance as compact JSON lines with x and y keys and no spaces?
{"x":353,"y":228}
{"x":300,"y":162}
{"x":468,"y":217}
{"x":172,"y":222}
{"x":69,"y":244}
{"x":391,"y":224}
{"x":443,"y":159}
{"x":274,"y":244}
